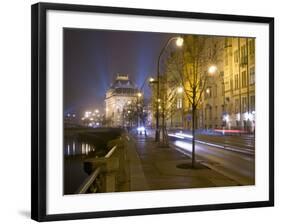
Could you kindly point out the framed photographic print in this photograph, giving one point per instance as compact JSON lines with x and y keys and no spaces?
{"x":138,"y":111}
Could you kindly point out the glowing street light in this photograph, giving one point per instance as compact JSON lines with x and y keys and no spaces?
{"x":151,"y":79}
{"x":212,"y":69}
{"x":248,"y":116}
{"x":139,"y":94}
{"x":226,"y":118}
{"x":179,"y":41}
{"x":87,"y":114}
{"x":180,"y":89}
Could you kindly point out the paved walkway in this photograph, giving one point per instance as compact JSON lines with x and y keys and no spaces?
{"x":155,"y":168}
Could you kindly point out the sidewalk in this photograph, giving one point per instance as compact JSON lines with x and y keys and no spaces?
{"x":154,"y":168}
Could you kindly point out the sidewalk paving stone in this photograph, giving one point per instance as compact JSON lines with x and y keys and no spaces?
{"x":155,"y":168}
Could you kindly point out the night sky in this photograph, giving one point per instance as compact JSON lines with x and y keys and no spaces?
{"x":93,"y":57}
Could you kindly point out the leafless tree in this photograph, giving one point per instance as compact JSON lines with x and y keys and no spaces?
{"x":188,"y":68}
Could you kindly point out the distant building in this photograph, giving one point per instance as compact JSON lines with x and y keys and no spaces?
{"x":121,"y":95}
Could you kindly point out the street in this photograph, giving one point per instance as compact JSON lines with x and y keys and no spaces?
{"x":237,"y":164}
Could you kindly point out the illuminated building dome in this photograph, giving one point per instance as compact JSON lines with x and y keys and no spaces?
{"x":121,"y":92}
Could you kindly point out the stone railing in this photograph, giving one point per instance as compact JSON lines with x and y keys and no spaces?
{"x":109,"y":173}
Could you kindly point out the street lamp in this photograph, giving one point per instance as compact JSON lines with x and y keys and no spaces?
{"x":180,"y":105}
{"x":212,"y":69}
{"x":180,"y":89}
{"x":139,"y":94}
{"x":179,"y":43}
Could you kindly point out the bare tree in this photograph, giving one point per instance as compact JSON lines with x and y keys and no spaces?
{"x":166,"y":104}
{"x":188,"y":69}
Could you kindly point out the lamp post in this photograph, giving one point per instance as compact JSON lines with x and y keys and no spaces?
{"x":180,"y":91}
{"x":139,"y":95}
{"x":179,"y":43}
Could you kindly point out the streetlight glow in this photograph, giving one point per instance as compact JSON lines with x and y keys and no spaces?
{"x":139,"y":94}
{"x":180,"y":89}
{"x":151,"y":79}
{"x":179,"y":41}
{"x":212,"y":69}
{"x":226,"y":118}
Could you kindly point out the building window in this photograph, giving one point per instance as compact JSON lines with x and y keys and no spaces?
{"x":252,"y":47}
{"x":237,"y":106}
{"x":179,"y":103}
{"x":236,"y":82}
{"x":231,"y":85}
{"x":227,"y":42}
{"x":223,"y":89}
{"x":243,"y":55}
{"x":236,"y":56}
{"x":215,"y":90}
{"x":216,"y":112}
{"x":252,"y":75}
{"x":230,"y":108}
{"x":226,"y":58}
{"x":252,"y":98}
{"x":244,"y":79}
{"x":209,"y":53}
{"x":244,"y":104}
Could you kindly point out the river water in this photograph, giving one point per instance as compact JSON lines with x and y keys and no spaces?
{"x":74,"y":153}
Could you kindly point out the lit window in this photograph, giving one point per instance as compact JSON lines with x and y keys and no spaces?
{"x":252,"y":75}
{"x":179,"y":103}
{"x":244,"y":79}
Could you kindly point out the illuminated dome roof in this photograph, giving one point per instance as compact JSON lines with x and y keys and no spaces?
{"x":123,"y":85}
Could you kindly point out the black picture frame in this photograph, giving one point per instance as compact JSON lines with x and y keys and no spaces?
{"x":39,"y":114}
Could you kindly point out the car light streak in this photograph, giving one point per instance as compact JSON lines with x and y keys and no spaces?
{"x":180,"y":135}
{"x":183,"y":135}
{"x":175,"y":136}
{"x":183,"y":145}
{"x":229,"y":131}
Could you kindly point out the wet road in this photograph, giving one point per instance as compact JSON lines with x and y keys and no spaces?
{"x":238,"y":165}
